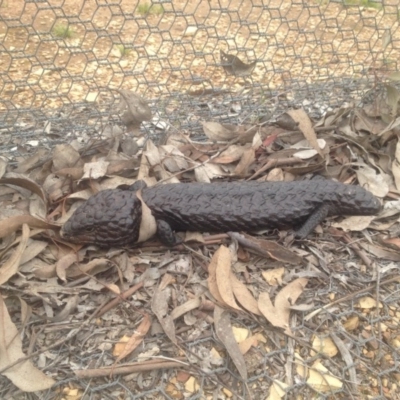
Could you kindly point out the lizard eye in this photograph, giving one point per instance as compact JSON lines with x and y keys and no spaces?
{"x":89,"y":229}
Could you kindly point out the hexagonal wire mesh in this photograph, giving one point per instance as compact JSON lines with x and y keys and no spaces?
{"x":61,"y":63}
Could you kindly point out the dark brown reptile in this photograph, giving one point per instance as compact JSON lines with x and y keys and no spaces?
{"x":112,"y":217}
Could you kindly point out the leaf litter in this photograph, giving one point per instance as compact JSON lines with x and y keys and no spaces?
{"x":252,"y":295}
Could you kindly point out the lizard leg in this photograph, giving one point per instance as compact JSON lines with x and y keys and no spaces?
{"x":140,"y":184}
{"x":312,"y":221}
{"x":166,"y":234}
{"x":137,"y":186}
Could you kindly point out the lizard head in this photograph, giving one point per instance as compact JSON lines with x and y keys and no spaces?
{"x":109,"y":218}
{"x":359,"y":202}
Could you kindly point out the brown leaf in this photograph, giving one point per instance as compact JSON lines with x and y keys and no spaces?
{"x":376,"y":183}
{"x":10,"y":225}
{"x":279,"y":314}
{"x":230,"y":155}
{"x":218,"y":132}
{"x":64,"y":263}
{"x":396,"y":166}
{"x":148,"y":225}
{"x":159,"y":306}
{"x":223,"y":275}
{"x":138,"y":109}
{"x":212,"y":278}
{"x":173,"y":159}
{"x":23,"y":181}
{"x":93,"y":267}
{"x":24,"y":375}
{"x":244,"y":296}
{"x":95,"y":170}
{"x":274,"y":276}
{"x":271,"y":313}
{"x":10,"y":267}
{"x":34,"y":248}
{"x":65,"y":156}
{"x":321,"y":380}
{"x":354,"y":223}
{"x":31,"y":161}
{"x":247,"y":159}
{"x":290,"y":293}
{"x":184,"y":308}
{"x":223,"y":329}
{"x":380,"y":252}
{"x":3,"y":166}
{"x":69,"y":308}
{"x":152,"y":154}
{"x":136,"y":338}
{"x":268,"y":248}
{"x":74,"y":173}
{"x":305,"y":125}
{"x":247,"y":344}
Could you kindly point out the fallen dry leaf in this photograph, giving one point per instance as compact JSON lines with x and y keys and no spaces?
{"x":243,"y":295}
{"x":33,"y":249}
{"x":148,"y":224}
{"x":223,"y":329}
{"x":212,"y":278}
{"x":93,"y":267}
{"x":152,"y":154}
{"x":218,"y":132}
{"x":268,"y":248}
{"x":24,"y":375}
{"x":65,"y":156}
{"x":352,"y":323}
{"x":29,"y":162}
{"x":191,"y":385}
{"x":173,"y":159}
{"x":68,"y":309}
{"x":278,"y":315}
{"x":207,"y":172}
{"x":135,"y":340}
{"x":135,"y":108}
{"x":223,"y":277}
{"x":306,"y":127}
{"x":10,"y":267}
{"x":24,"y":182}
{"x":301,"y":367}
{"x":324,"y":345}
{"x":354,"y":223}
{"x":396,"y":166}
{"x":159,"y":306}
{"x":64,"y":263}
{"x":368,"y":302}
{"x":246,"y":344}
{"x":322,"y":380}
{"x":274,"y":276}
{"x":10,"y":225}
{"x":95,"y":170}
{"x":230,"y":155}
{"x":184,"y":308}
{"x":240,"y":334}
{"x":246,"y":160}
{"x":277,"y":390}
{"x":305,"y":152}
{"x":376,"y":183}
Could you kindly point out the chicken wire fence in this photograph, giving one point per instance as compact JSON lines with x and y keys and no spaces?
{"x":63,"y":62}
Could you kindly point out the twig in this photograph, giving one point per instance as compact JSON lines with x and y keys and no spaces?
{"x":141,"y":366}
